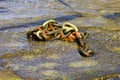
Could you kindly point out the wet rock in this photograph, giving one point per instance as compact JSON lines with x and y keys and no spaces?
{"x":8,"y":75}
{"x":2,"y":0}
{"x":3,"y":9}
{"x":57,"y":60}
{"x":112,"y":16}
{"x":108,"y":77}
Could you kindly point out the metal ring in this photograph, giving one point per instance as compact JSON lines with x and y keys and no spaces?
{"x":44,"y":25}
{"x":83,"y":52}
{"x":86,"y":47}
{"x":71,"y":27}
{"x":40,"y":37}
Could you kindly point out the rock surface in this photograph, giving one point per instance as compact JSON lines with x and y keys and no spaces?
{"x":59,"y":60}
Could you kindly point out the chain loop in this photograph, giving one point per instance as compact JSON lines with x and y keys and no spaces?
{"x":45,"y":24}
{"x":69,"y":27}
{"x":50,"y":30}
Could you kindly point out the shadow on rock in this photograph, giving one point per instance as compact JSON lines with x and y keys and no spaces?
{"x":60,"y":19}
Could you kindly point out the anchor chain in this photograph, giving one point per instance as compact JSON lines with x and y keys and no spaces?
{"x":50,"y":30}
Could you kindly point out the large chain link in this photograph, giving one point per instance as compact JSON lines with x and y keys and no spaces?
{"x":50,"y":30}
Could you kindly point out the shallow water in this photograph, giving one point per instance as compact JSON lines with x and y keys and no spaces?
{"x":58,"y":59}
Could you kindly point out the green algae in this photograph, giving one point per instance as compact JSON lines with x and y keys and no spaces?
{"x":52,"y":73}
{"x":32,"y":68}
{"x":115,"y":49}
{"x":108,"y":77}
{"x":24,"y":54}
{"x":55,"y":56}
{"x":8,"y":75}
{"x":85,"y":63}
{"x":49,"y":65}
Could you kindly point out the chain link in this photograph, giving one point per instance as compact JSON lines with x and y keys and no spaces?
{"x":50,"y":30}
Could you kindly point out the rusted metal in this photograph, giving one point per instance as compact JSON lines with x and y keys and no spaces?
{"x":50,"y":30}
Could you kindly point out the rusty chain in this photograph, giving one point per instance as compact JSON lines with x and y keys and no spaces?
{"x":50,"y":30}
